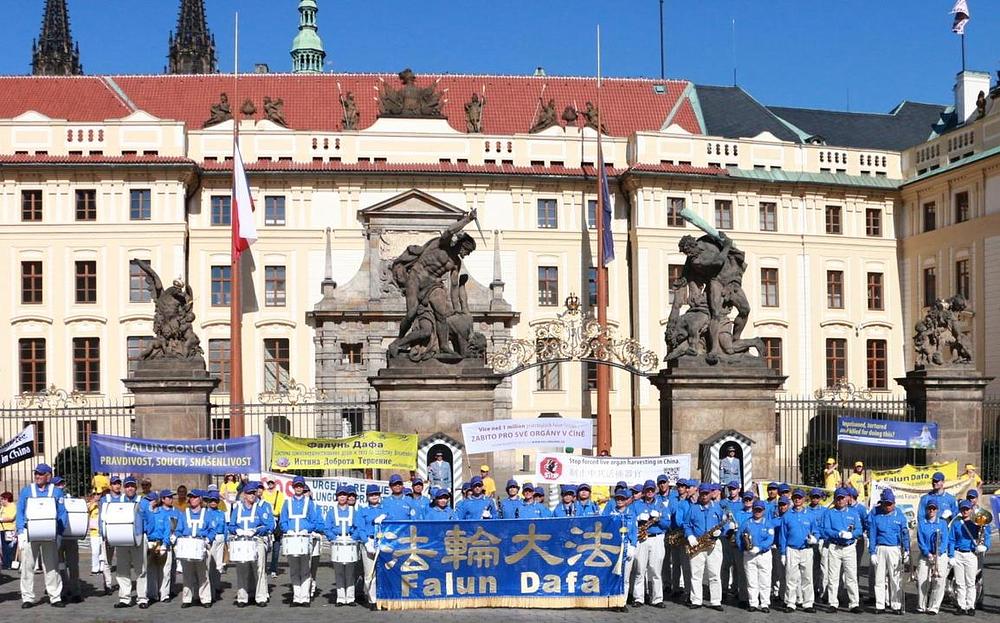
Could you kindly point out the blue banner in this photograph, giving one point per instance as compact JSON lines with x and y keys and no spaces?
{"x":887,"y":433}
{"x":174,"y":456}
{"x":572,"y":562}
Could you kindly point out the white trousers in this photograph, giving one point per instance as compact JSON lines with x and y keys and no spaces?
{"x":707,"y":565}
{"x":966,"y":564}
{"x":757,"y":568}
{"x":821,"y":559}
{"x":798,"y":577}
{"x":842,"y":561}
{"x":47,"y":553}
{"x":159,"y":574}
{"x":930,"y":591}
{"x":216,"y":563}
{"x":131,"y":564}
{"x":887,"y":566}
{"x":301,"y":578}
{"x":107,"y":558}
{"x":368,"y":562}
{"x":649,"y":567}
{"x":96,"y":553}
{"x":196,"y":580}
{"x":248,"y":573}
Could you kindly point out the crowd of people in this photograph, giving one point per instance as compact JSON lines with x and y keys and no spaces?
{"x":787,"y":549}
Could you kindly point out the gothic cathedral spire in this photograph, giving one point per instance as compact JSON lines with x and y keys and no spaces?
{"x":307,"y":48}
{"x":53,"y":53}
{"x":192,"y":49}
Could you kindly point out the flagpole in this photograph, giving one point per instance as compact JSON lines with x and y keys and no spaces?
{"x":236,"y":422}
{"x":603,"y":371}
{"x":963,"y":51}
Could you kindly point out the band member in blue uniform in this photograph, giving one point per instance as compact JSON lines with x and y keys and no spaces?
{"x":45,"y":551}
{"x":341,"y":528}
{"x":441,"y":510}
{"x":704,"y":522}
{"x":969,"y":541}
{"x":755,"y":539}
{"x":198,"y":522}
{"x":840,"y":529}
{"x":509,"y":506}
{"x":934,"y":542}
{"x":250,"y":518}
{"x":889,"y":546}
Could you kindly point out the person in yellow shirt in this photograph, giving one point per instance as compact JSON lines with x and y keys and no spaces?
{"x":93,"y":532}
{"x":977,"y":480}
{"x":857,"y":479}
{"x":8,"y":528}
{"x":100,"y":483}
{"x":489,"y":486}
{"x":229,"y":489}
{"x":831,"y":474}
{"x":180,"y":499}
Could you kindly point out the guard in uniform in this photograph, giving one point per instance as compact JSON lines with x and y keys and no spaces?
{"x":934,"y":541}
{"x":649,"y":513}
{"x":300,"y":517}
{"x":585,"y":505}
{"x":841,"y":529}
{"x":131,"y":558}
{"x":567,"y":505}
{"x":69,"y":555}
{"x":968,"y":541}
{"x":198,"y":522}
{"x":251,"y":518}
{"x":797,"y":536}
{"x":705,"y":522}
{"x":441,"y":509}
{"x":889,"y":547}
{"x":342,"y":531}
{"x":439,"y":472}
{"x":509,"y":506}
{"x":620,"y":511}
{"x":47,"y":552}
{"x":755,"y":539}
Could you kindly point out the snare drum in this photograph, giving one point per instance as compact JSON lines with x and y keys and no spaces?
{"x":40,"y":519}
{"x":296,"y":545}
{"x":189,"y":548}
{"x":344,"y":551}
{"x":243,"y":549}
{"x":78,"y":518}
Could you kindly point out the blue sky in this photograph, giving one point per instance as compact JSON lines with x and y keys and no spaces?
{"x":812,"y":53}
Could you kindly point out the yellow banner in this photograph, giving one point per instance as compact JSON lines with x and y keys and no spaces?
{"x":371,"y":450}
{"x":908,"y":496}
{"x":917,"y":476}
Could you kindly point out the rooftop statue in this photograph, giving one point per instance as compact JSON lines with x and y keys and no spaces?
{"x":410,"y":100}
{"x":274,"y":110}
{"x":219,"y":112}
{"x":546,"y":116}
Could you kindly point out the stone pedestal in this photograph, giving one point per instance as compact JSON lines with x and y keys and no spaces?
{"x":698,"y":400}
{"x":172,"y":402}
{"x":433,"y":397}
{"x":951,"y":396}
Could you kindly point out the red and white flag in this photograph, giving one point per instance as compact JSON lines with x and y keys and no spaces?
{"x":961,"y":11}
{"x":244,"y":229}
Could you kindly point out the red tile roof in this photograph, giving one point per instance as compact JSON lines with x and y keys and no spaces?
{"x":683,"y":169}
{"x":8,"y":159}
{"x":311,"y":101}
{"x":411,"y":167}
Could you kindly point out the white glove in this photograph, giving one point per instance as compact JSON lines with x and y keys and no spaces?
{"x":370,"y":547}
{"x":784,"y":560}
{"x":906,"y":558}
{"x":654,"y":515}
{"x":731,"y":526}
{"x":693,"y":541}
{"x":390,"y":535}
{"x":316,"y":535}
{"x":173,"y":539}
{"x":844,"y":534}
{"x":755,"y":550}
{"x":716,"y":533}
{"x":643,"y":517}
{"x":811,"y":540}
{"x":486,"y":513}
{"x":951,"y":563}
{"x":631,"y":552}
{"x":822,"y":542}
{"x":946,"y":514}
{"x":379,"y":519}
{"x":981,"y":549}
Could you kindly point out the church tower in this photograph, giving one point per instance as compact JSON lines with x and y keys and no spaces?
{"x":307,"y":48}
{"x":192,"y":48}
{"x":53,"y":53}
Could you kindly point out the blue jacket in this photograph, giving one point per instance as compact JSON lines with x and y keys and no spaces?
{"x":588,"y":508}
{"x":534,"y":511}
{"x":49,"y":490}
{"x":933,"y":537}
{"x":887,"y":529}
{"x":642,"y":506}
{"x":474,"y":508}
{"x":565,"y":510}
{"x":631,"y":529}
{"x":202,"y":523}
{"x":365,"y":520}
{"x":440,"y":514}
{"x":399,"y":507}
{"x":945,"y":502}
{"x":421,"y":504}
{"x":740,"y":515}
{"x":796,"y":526}
{"x":350,"y":520}
{"x":220,"y":520}
{"x":509,"y":506}
{"x":259,"y":518}
{"x":680,"y":513}
{"x":819,"y":512}
{"x":701,"y":519}
{"x":837,"y":520}
{"x":310,"y":518}
{"x":965,"y":536}
{"x":761,"y":534}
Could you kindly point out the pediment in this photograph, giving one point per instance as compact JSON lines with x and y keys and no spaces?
{"x":413,"y":209}
{"x":140,"y":116}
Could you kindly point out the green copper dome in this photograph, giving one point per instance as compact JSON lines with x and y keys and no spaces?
{"x":307,"y":48}
{"x":307,"y":40}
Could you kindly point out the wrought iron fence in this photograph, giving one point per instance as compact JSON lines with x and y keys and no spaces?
{"x":806,"y":434}
{"x":990,"y":468}
{"x":64,"y":422}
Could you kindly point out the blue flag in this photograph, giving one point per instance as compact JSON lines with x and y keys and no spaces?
{"x":608,"y":241}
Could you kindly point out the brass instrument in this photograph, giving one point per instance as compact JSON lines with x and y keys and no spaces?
{"x":932,"y":560}
{"x":674,"y":537}
{"x":643,"y":528}
{"x":747,"y":541}
{"x":705,"y":541}
{"x":982,"y":518}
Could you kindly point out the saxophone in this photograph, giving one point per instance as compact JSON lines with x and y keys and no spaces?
{"x":747,"y":541}
{"x":705,"y":541}
{"x":932,"y":560}
{"x":643,"y":520}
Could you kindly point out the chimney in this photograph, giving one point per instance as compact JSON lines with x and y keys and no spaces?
{"x":968,"y":84}
{"x":539,"y":71}
{"x":261,"y":68}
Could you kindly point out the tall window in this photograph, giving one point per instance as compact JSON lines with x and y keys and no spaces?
{"x":930,"y":286}
{"x":221,"y":428}
{"x":274,"y":210}
{"x":277,"y":366}
{"x":836,"y":360}
{"x":39,"y":435}
{"x":547,"y":217}
{"x":139,"y":205}
{"x":84,"y":429}
{"x":930,"y":216}
{"x":962,"y":278}
{"x":723,"y":214}
{"x":591,"y":371}
{"x":592,"y":286}
{"x":274,"y":286}
{"x":353,"y":420}
{"x":31,"y":206}
{"x":548,"y":285}
{"x":137,"y":290}
{"x":86,"y":205}
{"x":352,"y":353}
{"x":219,"y":357}
{"x":592,"y":213}
{"x":674,"y":207}
{"x":875,"y":301}
{"x":135,"y":345}
{"x":221,"y":285}
{"x":772,"y":353}
{"x":31,"y":360}
{"x":87,"y":364}
{"x":961,"y":207}
{"x":221,"y":210}
{"x":769,"y":287}
{"x":549,"y":378}
{"x":768,"y":216}
{"x":873,"y":222}
{"x":834,"y":222}
{"x":86,"y":281}
{"x":674,"y":272}
{"x":31,"y":282}
{"x":835,"y":289}
{"x":878,"y":368}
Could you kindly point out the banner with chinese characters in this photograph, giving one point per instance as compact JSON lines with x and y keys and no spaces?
{"x":371,"y":450}
{"x":572,"y":562}
{"x":558,"y":468}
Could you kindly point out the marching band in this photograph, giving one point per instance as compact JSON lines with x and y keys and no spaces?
{"x":678,"y":537}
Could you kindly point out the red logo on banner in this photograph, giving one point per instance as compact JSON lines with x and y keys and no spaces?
{"x":551,"y":468}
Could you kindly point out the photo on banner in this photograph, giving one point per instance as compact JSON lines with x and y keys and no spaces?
{"x":370,"y":450}
{"x":887,"y":433}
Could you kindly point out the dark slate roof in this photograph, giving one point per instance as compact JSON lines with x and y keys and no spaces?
{"x":730,"y":112}
{"x":906,"y":125}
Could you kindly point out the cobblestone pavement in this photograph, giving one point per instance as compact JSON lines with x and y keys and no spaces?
{"x":97,"y":607}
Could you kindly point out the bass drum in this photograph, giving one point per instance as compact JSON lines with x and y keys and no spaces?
{"x":78,"y":518}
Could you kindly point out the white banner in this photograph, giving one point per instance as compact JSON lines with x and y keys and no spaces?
{"x":324,"y":490}
{"x":20,"y":447}
{"x":528,"y":433}
{"x":558,"y":468}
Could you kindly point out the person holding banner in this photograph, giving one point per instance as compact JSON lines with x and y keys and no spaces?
{"x":69,"y":554}
{"x":649,"y":513}
{"x":889,"y":548}
{"x":509,"y":506}
{"x":300,"y":518}
{"x":478,"y":505}
{"x":567,"y":504}
{"x":201,"y":523}
{"x":841,"y":529}
{"x":969,"y":540}
{"x":8,"y":529}
{"x":934,"y":542}
{"x":131,"y":558}
{"x":398,"y":505}
{"x":251,"y":520}
{"x":441,"y":509}
{"x":585,"y":506}
{"x":369,"y":532}
{"x":705,"y":522}
{"x":45,"y":551}
{"x":342,"y":530}
{"x":620,"y":509}
{"x":755,"y":538}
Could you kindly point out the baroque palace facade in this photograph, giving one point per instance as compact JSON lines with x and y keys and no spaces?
{"x":832,"y":209}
